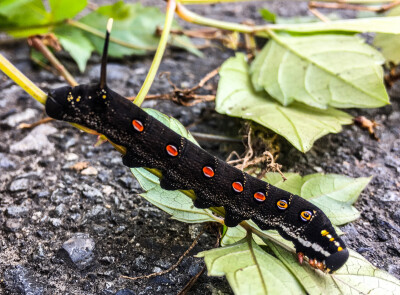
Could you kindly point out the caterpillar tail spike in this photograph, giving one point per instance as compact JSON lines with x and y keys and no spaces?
{"x":184,"y":165}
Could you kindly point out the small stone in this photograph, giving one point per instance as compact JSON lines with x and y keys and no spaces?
{"x":56,"y":222}
{"x":382,"y":236}
{"x":71,"y":157}
{"x":6,"y":163}
{"x":19,"y":185}
{"x":97,"y":211}
{"x":108,"y":190}
{"x":396,"y":216}
{"x":18,"y":280}
{"x":78,"y":251}
{"x":89,"y":171}
{"x":12,"y":225}
{"x":36,"y":141}
{"x":91,"y":192}
{"x":125,"y":292}
{"x":391,"y":196}
{"x":20,"y":117}
{"x":17,"y":211}
{"x":60,"y":209}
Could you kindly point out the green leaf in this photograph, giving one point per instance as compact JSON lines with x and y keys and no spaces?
{"x":18,"y":17}
{"x":389,"y":25}
{"x":175,"y":203}
{"x":133,"y":23}
{"x":250,"y":270}
{"x":301,"y":125}
{"x":76,"y":43}
{"x":268,"y":15}
{"x":321,"y":71}
{"x":389,"y":44}
{"x":63,"y":9}
{"x":357,"y":276}
{"x":334,"y":194}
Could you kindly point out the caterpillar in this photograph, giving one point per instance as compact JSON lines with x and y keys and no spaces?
{"x":184,"y":165}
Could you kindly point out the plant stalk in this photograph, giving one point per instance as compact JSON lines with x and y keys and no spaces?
{"x":171,"y":5}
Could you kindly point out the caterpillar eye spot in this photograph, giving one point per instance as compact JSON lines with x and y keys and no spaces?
{"x":208,"y":171}
{"x":137,"y":125}
{"x":259,"y":197}
{"x":282,"y":204}
{"x":171,"y":150}
{"x":305,"y":215}
{"x":237,"y":187}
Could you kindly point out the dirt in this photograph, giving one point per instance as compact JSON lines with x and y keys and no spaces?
{"x":44,"y":203}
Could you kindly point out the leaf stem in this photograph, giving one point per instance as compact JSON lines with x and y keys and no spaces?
{"x":11,"y":71}
{"x":36,"y":43}
{"x":171,"y":5}
{"x":100,"y":34}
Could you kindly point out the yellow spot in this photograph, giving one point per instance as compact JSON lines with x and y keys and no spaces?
{"x":339,"y":249}
{"x":78,"y":99}
{"x":331,"y":239}
{"x":70,"y":97}
{"x":104,"y":96}
{"x":324,"y":233}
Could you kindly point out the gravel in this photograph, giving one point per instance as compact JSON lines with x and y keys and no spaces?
{"x":64,"y":232}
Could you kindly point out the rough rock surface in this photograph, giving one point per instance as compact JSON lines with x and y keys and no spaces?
{"x":44,"y":203}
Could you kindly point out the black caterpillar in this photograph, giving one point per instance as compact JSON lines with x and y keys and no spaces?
{"x":184,"y":165}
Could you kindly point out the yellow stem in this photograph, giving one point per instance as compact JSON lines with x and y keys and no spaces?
{"x":19,"y":78}
{"x":159,"y":54}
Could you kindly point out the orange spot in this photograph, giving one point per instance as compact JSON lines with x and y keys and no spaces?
{"x":300,"y":257}
{"x":320,"y":265}
{"x":282,"y":204}
{"x":259,"y":196}
{"x":312,"y":262}
{"x":306,"y":215}
{"x":237,"y":187}
{"x":208,"y":171}
{"x":172,"y":150}
{"x":331,"y":239}
{"x":339,"y":249}
{"x":137,"y":125}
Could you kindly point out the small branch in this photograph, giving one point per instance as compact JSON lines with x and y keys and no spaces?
{"x":155,"y":274}
{"x":37,"y":43}
{"x":347,"y":6}
{"x":171,"y":5}
{"x":33,"y":125}
{"x":318,"y":14}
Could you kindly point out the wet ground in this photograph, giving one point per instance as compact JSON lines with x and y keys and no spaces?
{"x":69,"y":232}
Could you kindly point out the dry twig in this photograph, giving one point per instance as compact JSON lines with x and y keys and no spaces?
{"x":155,"y":274}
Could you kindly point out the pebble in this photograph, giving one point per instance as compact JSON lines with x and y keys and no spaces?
{"x":19,"y":280}
{"x":19,"y":185}
{"x":56,"y":222}
{"x":89,"y":171}
{"x":382,"y":236}
{"x":6,"y":163}
{"x":125,"y":292}
{"x":97,"y":211}
{"x":12,"y":225}
{"x":390,"y":196}
{"x":396,"y":216}
{"x":20,"y":117}
{"x":36,"y":141}
{"x":71,"y":157}
{"x":91,"y":192}
{"x":17,"y":211}
{"x":78,"y":251}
